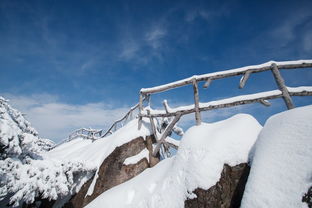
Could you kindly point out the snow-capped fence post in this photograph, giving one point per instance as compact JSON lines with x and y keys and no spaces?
{"x":196,"y":102}
{"x":152,"y":124}
{"x":281,"y":85}
{"x":140,"y":110}
{"x":166,"y":106}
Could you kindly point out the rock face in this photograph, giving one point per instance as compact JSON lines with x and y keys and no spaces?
{"x":307,"y":198}
{"x":113,"y":172}
{"x":227,"y":193}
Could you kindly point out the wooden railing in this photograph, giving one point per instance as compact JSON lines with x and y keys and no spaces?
{"x":263,"y":97}
{"x":94,"y":134}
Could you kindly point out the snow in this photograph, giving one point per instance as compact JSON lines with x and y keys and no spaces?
{"x":92,"y":154}
{"x":211,"y":104}
{"x":24,"y":174}
{"x":136,"y":158}
{"x":173,"y":141}
{"x":299,"y":89}
{"x":199,"y":162}
{"x":282,"y":166}
{"x":213,"y":74}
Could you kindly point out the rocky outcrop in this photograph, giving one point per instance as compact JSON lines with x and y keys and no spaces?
{"x":113,"y":172}
{"x":228,"y":191}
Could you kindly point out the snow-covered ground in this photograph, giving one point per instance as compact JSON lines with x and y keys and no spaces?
{"x":93,"y":153}
{"x":281,"y":170}
{"x":280,"y":154}
{"x":199,"y":162}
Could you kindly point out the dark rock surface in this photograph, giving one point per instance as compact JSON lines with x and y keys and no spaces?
{"x":307,"y":198}
{"x":227,"y":192}
{"x":113,"y":172}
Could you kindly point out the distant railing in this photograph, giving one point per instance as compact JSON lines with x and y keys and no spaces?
{"x":263,"y":97}
{"x":94,"y":134}
{"x":85,"y":133}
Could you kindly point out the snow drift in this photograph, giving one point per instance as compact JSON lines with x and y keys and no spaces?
{"x":93,"y":153}
{"x":199,"y":161}
{"x":282,"y":166}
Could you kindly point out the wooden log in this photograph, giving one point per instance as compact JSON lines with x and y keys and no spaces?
{"x":126,"y":115}
{"x":231,"y":103}
{"x":140,"y":111}
{"x":207,"y":83}
{"x":265,"y":102}
{"x":196,"y":101}
{"x":281,"y":85}
{"x":244,"y":79}
{"x":227,"y":73}
{"x":166,"y":106}
{"x":166,"y":133}
{"x":172,"y":145}
{"x":152,"y":124}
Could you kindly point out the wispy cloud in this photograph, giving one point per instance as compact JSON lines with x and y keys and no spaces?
{"x":144,"y":47}
{"x":130,"y":49}
{"x":307,"y":41}
{"x":288,"y":30}
{"x":56,"y":120}
{"x":208,"y":15}
{"x":155,"y":36}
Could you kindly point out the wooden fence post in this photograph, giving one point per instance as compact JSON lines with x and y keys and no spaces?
{"x":281,"y":85}
{"x":140,"y":111}
{"x":196,"y":101}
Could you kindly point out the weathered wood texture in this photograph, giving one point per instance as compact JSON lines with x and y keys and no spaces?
{"x":124,"y":118}
{"x":166,"y":133}
{"x":196,"y":101}
{"x":230,"y":103}
{"x":281,"y":85}
{"x":228,"y":73}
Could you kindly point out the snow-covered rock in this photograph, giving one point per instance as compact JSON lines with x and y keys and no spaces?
{"x":198,"y":163}
{"x":281,"y":171}
{"x":114,"y":171}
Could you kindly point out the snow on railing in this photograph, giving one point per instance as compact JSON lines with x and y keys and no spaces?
{"x":121,"y":122}
{"x":263,"y":97}
{"x":94,"y":134}
{"x":85,"y":133}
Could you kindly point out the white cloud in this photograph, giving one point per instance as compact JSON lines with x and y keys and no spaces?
{"x":56,"y":120}
{"x":307,"y":41}
{"x":129,"y":49}
{"x":287,"y":31}
{"x":141,"y":48}
{"x":155,"y":36}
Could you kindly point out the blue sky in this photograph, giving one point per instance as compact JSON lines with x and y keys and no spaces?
{"x":68,"y":64}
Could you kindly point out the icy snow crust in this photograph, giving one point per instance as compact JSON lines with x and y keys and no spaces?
{"x":282,"y":166}
{"x":199,"y":162}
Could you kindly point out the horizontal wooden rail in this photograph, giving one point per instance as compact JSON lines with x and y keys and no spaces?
{"x":109,"y":131}
{"x":228,"y":73}
{"x":230,"y":102}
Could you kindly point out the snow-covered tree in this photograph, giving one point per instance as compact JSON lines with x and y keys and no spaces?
{"x":24,"y":174}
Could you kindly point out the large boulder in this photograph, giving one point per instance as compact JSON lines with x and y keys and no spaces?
{"x":113,"y":171}
{"x":228,"y":191}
